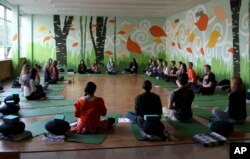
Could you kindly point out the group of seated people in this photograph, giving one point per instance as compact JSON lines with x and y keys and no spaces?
{"x":89,"y":108}
{"x":111,"y":67}
{"x":30,"y":79}
{"x":205,"y":85}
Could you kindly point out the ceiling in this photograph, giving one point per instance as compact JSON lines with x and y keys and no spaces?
{"x":128,"y":8}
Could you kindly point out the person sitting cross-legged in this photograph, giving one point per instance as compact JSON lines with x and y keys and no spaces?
{"x":88,"y":110}
{"x":236,"y":112}
{"x":148,"y":103}
{"x":180,"y":101}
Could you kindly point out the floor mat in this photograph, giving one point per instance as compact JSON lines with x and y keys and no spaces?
{"x":48,"y":103}
{"x":92,"y":138}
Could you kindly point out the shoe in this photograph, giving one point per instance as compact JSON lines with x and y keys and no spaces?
{"x":111,"y":122}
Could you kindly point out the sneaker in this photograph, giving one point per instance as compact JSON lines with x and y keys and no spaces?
{"x":111,"y":122}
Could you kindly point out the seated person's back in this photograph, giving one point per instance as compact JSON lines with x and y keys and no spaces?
{"x":180,"y":100}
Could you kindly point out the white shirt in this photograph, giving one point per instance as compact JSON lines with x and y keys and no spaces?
{"x":27,"y":90}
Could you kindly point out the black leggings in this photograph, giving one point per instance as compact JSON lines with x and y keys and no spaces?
{"x":38,"y":94}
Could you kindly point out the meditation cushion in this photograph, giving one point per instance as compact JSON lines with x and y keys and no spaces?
{"x":57,"y":127}
{"x":223,"y":128}
{"x":12,"y":128}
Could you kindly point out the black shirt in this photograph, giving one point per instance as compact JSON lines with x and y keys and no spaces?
{"x":237,"y":105}
{"x":182,"y":98}
{"x":148,"y":103}
{"x":210,"y":77}
{"x":82,"y":68}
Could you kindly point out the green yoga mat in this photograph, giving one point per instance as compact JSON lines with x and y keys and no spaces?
{"x":84,"y":75}
{"x":92,"y":138}
{"x":210,"y":97}
{"x":189,"y":128}
{"x":204,"y":113}
{"x":216,"y":103}
{"x":49,"y":103}
{"x":243,"y":127}
{"x":38,"y":128}
{"x":44,"y":111}
{"x":136,"y":132}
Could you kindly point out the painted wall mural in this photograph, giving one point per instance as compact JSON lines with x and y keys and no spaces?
{"x":202,"y":35}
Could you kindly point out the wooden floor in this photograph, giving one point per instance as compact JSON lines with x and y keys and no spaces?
{"x":118,"y":92}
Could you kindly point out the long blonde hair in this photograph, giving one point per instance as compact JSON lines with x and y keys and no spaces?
{"x":25,"y":69}
{"x":236,"y":84}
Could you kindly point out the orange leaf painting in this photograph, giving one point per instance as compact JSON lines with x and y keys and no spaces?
{"x":42,"y":29}
{"x":112,"y":20}
{"x":126,"y":28}
{"x":189,"y":50}
{"x":191,"y":37}
{"x":179,"y":45}
{"x":14,"y":37}
{"x":158,"y":41}
{"x":46,"y":38}
{"x":220,"y":13}
{"x":108,"y":52}
{"x":173,"y":43}
{"x":75,"y":44}
{"x":132,"y":46}
{"x":72,"y":29}
{"x":177,"y":33}
{"x":157,"y":31}
{"x":213,"y":39}
{"x":202,"y":23}
{"x":202,"y":51}
{"x":231,"y":50}
{"x":121,"y":32}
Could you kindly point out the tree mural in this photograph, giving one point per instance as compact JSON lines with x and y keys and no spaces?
{"x":61,"y":37}
{"x":235,"y":9}
{"x":99,"y":41}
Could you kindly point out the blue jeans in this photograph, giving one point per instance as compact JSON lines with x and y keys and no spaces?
{"x":131,"y":116}
{"x":224,"y":115}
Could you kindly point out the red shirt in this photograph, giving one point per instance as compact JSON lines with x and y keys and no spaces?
{"x":191,"y":75}
{"x":88,"y":114}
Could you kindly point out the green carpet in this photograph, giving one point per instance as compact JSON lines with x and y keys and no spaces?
{"x":48,"y":103}
{"x":216,"y":103}
{"x":38,"y":128}
{"x":91,"y":138}
{"x":190,"y":128}
{"x":44,"y":111}
{"x":136,"y":132}
{"x":210,"y":97}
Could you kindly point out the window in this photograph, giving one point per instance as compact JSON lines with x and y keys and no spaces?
{"x":5,"y":32}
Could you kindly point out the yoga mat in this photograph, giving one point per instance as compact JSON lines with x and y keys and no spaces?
{"x":83,"y":75}
{"x":136,"y":132}
{"x":49,"y":103}
{"x":38,"y":128}
{"x":216,"y":103}
{"x":91,"y":138}
{"x":204,"y":113}
{"x":56,"y":97}
{"x":210,"y":97}
{"x":189,"y":128}
{"x":243,"y":127}
{"x":44,"y":111}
